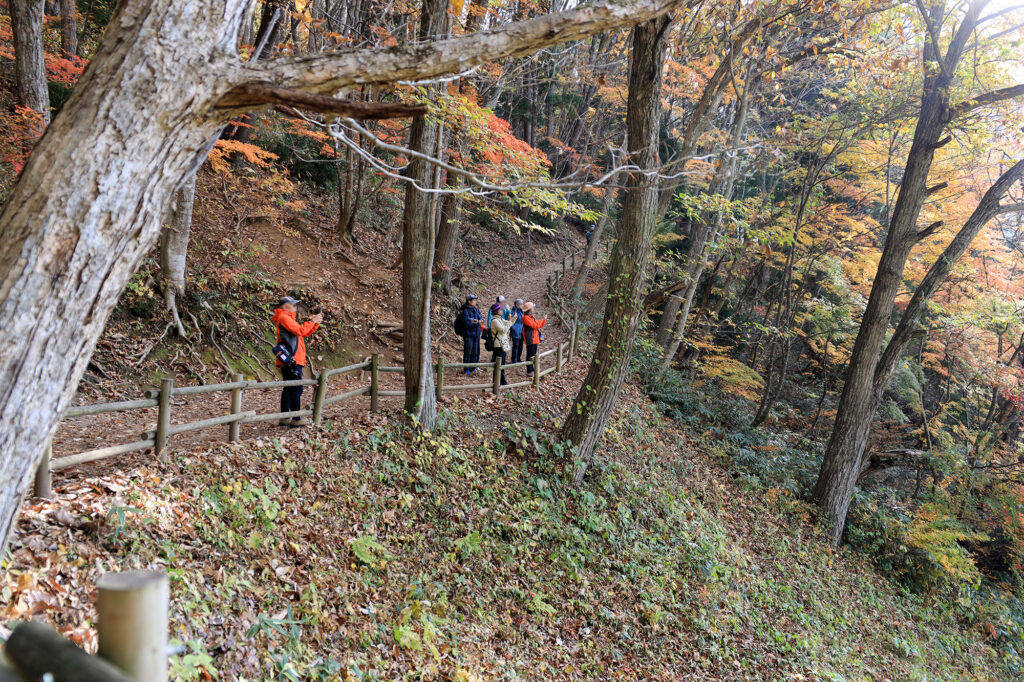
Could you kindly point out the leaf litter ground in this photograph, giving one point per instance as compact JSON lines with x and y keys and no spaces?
{"x":369,"y":552}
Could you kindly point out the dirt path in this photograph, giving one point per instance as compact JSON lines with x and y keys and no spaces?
{"x":79,"y":434}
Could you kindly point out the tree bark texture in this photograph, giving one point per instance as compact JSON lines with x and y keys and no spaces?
{"x":418,"y":238}
{"x":174,"y":249}
{"x":68,"y":28}
{"x":29,"y":64}
{"x":627,"y":278}
{"x":93,"y":194}
{"x":857,"y":404}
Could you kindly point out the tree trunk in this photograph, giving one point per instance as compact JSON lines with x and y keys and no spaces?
{"x":29,"y":64}
{"x":68,"y":28}
{"x":174,"y":249}
{"x":418,"y":239}
{"x":710,"y":227}
{"x":859,"y":399}
{"x":610,"y":364}
{"x":595,"y":240}
{"x":448,"y":235}
{"x":89,"y":203}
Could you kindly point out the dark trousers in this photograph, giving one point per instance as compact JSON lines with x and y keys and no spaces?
{"x":291,"y":397}
{"x":471,"y":348}
{"x":531,"y":350}
{"x":517,"y":351}
{"x":494,"y":358}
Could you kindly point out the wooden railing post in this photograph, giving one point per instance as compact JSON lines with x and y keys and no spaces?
{"x":497,"y":375}
{"x":536,"y":369}
{"x":132,"y":623}
{"x":43,"y":480}
{"x":375,"y":382}
{"x":439,"y":382}
{"x":574,"y":337}
{"x":318,"y":397}
{"x":558,"y":357}
{"x":163,"y":417}
{"x":235,"y":428}
{"x":574,"y":260}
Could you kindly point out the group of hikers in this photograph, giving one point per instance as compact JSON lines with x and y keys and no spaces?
{"x":505,"y":331}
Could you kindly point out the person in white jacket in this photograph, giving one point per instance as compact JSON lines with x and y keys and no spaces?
{"x":500,"y":327}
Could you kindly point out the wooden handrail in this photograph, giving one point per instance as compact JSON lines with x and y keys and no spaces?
{"x":161,"y":398}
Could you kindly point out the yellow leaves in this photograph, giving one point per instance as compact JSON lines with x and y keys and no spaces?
{"x":457,"y":6}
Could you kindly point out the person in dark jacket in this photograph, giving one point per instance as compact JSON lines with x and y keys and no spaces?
{"x":470,"y":325}
{"x":290,"y":332}
{"x":516,"y":333}
{"x":533,"y":333}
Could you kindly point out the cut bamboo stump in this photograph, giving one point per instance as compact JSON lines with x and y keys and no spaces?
{"x":132,"y":623}
{"x":235,"y":428}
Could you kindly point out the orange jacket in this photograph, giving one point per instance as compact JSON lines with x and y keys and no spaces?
{"x":533,"y":335}
{"x":283,"y":318}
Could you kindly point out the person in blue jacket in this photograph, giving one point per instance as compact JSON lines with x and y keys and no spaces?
{"x":516,"y":333}
{"x":469,"y":325}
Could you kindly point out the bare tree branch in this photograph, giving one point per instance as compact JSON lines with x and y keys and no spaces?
{"x":328,"y":73}
{"x":249,"y":96}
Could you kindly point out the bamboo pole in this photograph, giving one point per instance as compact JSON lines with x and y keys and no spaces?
{"x":132,"y":623}
{"x":235,"y":428}
{"x":318,"y":397}
{"x":163,"y":419}
{"x":43,"y":487}
{"x":375,"y":382}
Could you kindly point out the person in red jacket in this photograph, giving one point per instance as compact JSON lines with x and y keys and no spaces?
{"x":290,"y":332}
{"x":531,"y":331}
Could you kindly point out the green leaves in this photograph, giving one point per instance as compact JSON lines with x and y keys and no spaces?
{"x":369,"y":552}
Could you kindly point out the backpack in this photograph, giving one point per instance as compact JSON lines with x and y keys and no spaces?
{"x":284,"y":351}
{"x":488,"y":340}
{"x":460,"y":324}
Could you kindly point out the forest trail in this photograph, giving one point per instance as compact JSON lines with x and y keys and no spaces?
{"x":79,"y":434}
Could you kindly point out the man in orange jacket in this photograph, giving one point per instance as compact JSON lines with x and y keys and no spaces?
{"x":293,"y":334}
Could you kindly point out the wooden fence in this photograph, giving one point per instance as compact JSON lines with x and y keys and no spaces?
{"x":160,"y":398}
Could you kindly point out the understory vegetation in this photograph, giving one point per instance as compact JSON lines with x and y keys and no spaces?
{"x":463,"y":553}
{"x":952,"y":546}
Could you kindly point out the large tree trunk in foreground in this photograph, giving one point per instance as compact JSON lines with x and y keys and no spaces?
{"x":627,"y":278}
{"x":29,"y":64}
{"x":419,"y":231}
{"x":174,"y":249}
{"x":91,"y":199}
{"x":859,"y":399}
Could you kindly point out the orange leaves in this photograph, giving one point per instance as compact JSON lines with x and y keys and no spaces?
{"x":257,"y":156}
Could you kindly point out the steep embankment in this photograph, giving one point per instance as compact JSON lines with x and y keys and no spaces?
{"x":370,"y":553}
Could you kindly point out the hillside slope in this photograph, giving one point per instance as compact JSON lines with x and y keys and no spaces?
{"x":366,"y":552}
